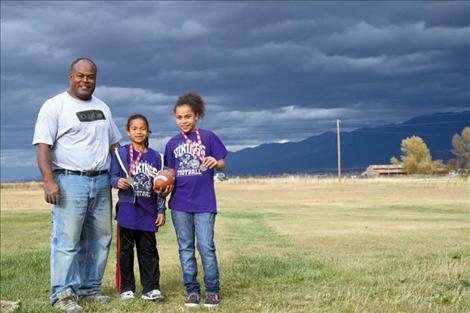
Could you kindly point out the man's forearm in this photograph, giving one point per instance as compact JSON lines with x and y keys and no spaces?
{"x":44,"y":158}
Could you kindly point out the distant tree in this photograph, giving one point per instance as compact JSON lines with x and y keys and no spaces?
{"x":416,"y":157}
{"x":452,"y":164}
{"x":438,"y":167}
{"x":461,"y":148}
{"x":394,"y":161}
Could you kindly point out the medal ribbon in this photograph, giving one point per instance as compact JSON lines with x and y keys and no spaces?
{"x":200,"y":151}
{"x":131,"y":157}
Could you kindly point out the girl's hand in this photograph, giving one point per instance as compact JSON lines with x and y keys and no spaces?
{"x":164,"y":192}
{"x":123,"y":184}
{"x":160,"y":221}
{"x":209,"y":162}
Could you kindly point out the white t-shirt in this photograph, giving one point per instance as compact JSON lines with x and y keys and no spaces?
{"x":80,"y":132}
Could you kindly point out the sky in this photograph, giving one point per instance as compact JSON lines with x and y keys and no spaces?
{"x":268,"y":71}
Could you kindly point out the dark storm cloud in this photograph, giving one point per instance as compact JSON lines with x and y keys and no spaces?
{"x":270,"y":71}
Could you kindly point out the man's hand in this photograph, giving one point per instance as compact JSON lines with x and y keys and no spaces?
{"x":51,"y":192}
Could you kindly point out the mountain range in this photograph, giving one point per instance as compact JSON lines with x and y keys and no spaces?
{"x":359,"y":148}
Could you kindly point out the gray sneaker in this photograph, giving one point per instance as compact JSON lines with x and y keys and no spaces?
{"x":96,"y":298}
{"x":153,"y":295}
{"x":67,"y":302}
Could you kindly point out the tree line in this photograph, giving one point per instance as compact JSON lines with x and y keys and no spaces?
{"x":417,"y":159}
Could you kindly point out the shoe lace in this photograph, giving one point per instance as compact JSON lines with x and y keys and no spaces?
{"x":69,"y":302}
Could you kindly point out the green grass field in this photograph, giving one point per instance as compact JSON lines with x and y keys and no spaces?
{"x":287,"y":245}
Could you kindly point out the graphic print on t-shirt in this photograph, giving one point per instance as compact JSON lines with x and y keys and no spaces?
{"x":189,"y":163}
{"x":91,"y":115}
{"x":143,"y":179}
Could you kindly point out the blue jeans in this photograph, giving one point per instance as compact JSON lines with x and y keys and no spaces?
{"x":81,"y":234}
{"x":200,"y":227}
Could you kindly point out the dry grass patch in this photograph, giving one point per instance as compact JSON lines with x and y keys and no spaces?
{"x":291,"y":244}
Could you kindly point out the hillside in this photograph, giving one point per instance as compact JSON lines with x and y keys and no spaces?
{"x":360,"y":147}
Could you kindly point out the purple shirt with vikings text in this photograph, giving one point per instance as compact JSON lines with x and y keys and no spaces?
{"x":141,"y":215}
{"x":194,"y":189}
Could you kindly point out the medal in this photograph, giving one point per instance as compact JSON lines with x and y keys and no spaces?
{"x":133,"y":164}
{"x":199,"y":150}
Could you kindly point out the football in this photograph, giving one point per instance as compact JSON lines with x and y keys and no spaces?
{"x":164,"y":178}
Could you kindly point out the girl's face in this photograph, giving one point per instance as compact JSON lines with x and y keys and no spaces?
{"x":138,"y":131}
{"x":186,"y":119}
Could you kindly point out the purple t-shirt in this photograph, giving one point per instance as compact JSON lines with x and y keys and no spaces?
{"x":194,"y":189}
{"x":141,"y":215}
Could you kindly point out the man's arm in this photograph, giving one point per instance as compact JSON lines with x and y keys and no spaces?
{"x":51,"y":189}
{"x":114,"y":146}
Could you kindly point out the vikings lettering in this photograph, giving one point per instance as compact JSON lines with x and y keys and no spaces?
{"x":186,"y":148}
{"x":143,"y":179}
{"x":189,"y":163}
{"x":147,"y":169}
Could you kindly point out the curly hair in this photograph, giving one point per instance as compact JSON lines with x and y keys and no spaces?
{"x":194,"y":100}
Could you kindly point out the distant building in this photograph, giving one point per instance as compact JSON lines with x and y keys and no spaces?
{"x":383,"y":170}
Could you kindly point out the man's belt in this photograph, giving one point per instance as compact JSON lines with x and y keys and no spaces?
{"x":80,"y":173}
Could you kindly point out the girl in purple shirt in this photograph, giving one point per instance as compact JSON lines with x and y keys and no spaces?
{"x":195,"y":154}
{"x":140,"y":211}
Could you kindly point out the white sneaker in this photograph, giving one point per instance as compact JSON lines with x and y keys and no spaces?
{"x":153,"y":295}
{"x":127,"y":295}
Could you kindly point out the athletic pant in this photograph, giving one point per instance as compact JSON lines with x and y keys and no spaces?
{"x":147,"y":256}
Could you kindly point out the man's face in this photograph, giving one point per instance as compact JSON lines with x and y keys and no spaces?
{"x":82,"y":80}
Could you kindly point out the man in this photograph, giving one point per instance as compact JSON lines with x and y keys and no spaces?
{"x":73,"y":136}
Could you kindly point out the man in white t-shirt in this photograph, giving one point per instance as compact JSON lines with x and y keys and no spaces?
{"x":73,"y":136}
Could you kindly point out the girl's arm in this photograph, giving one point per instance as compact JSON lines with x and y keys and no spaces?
{"x":217,"y":153}
{"x":115,"y":173}
{"x":161,"y":207}
{"x":211,"y":162}
{"x":114,"y":170}
{"x":160,"y":221}
{"x":220,"y":165}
